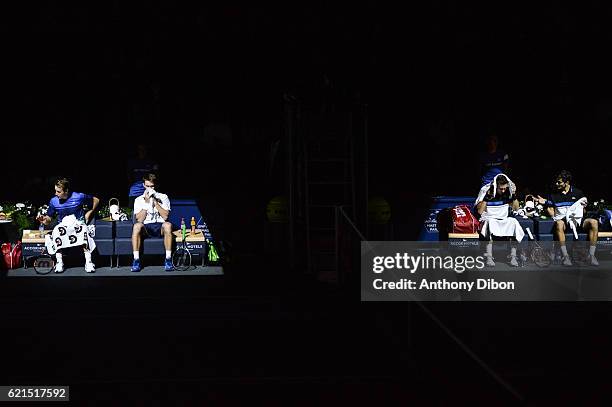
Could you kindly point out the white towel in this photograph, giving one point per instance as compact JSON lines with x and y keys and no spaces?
{"x":494,"y":219}
{"x":573,"y":215}
{"x":485,"y":188}
{"x":509,"y":227}
{"x":70,"y":232}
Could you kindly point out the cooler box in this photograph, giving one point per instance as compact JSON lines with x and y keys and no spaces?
{"x":429,"y":231}
{"x":33,"y":244}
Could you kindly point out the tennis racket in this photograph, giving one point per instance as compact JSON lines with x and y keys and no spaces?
{"x":44,"y":264}
{"x":537,"y":254}
{"x":181,"y":258}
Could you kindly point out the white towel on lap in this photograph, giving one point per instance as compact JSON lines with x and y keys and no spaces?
{"x":502,"y":227}
{"x":573,"y":215}
{"x":495,"y":220}
{"x":70,"y":233}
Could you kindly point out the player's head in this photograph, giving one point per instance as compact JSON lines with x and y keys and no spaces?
{"x":503,"y":184}
{"x":491,"y":142}
{"x":62,"y":188}
{"x":142,"y":151}
{"x":563,"y":180}
{"x":149,"y":180}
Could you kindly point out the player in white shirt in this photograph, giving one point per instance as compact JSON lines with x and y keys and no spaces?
{"x":566,"y":206}
{"x":151,"y":212}
{"x":493,"y":205}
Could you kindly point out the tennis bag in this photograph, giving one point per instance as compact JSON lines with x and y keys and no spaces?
{"x":11,"y":255}
{"x":463,"y":221}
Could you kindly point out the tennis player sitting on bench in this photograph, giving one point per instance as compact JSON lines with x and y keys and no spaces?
{"x":151,"y":211}
{"x":66,"y":203}
{"x":493,"y":206}
{"x":566,"y":207}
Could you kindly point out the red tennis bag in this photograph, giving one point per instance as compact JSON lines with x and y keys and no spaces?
{"x":463,"y":221}
{"x":11,"y":255}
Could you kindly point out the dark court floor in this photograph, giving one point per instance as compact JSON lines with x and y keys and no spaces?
{"x":259,"y":332}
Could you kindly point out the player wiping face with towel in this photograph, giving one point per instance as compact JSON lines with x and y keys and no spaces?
{"x":493,"y":205}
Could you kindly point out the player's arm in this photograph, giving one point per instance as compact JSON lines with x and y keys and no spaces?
{"x":481,"y":207}
{"x":515,"y":205}
{"x":161,"y":206}
{"x":548,"y":205}
{"x":46,"y":219}
{"x":94,"y":205}
{"x":140,"y":211}
{"x":141,"y":216}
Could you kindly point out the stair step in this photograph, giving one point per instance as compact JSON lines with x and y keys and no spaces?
{"x":329,"y":183}
{"x":328,"y":160}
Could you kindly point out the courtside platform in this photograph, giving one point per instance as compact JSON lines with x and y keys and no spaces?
{"x":79,"y":271}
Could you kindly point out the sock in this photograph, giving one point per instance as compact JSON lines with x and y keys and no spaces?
{"x":564,"y":250}
{"x":592,"y":250}
{"x":58,"y":257}
{"x":168,"y":254}
{"x":87,"y":257}
{"x":489,"y":249}
{"x":136,"y":255}
{"x":513,"y":251}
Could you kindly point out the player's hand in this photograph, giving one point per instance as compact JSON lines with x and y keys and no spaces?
{"x":541,"y":200}
{"x":88,"y":216}
{"x":146,"y":196}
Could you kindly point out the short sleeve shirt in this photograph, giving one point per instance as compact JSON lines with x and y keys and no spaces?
{"x":562,"y":202}
{"x":74,"y":205}
{"x":153,"y":215}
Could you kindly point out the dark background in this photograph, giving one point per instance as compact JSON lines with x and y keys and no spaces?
{"x":437,"y":77}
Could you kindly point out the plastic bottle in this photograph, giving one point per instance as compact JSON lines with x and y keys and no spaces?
{"x":183,"y":228}
{"x":193,"y":225}
{"x":41,"y":229}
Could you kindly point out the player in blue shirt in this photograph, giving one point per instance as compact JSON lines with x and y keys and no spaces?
{"x":492,"y":161}
{"x":137,"y":168}
{"x":65,"y":203}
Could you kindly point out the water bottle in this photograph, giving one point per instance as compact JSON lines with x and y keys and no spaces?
{"x":41,"y":229}
{"x":183,"y":228}
{"x":193,"y":225}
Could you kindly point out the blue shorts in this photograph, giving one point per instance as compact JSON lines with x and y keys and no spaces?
{"x":153,"y":229}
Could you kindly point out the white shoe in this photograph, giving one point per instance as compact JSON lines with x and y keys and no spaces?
{"x":513,"y":261}
{"x":592,"y":260}
{"x":566,"y":261}
{"x":90,"y":267}
{"x":59,"y":268}
{"x":489,"y":262}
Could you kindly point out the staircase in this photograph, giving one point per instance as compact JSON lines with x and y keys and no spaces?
{"x":329,"y":182}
